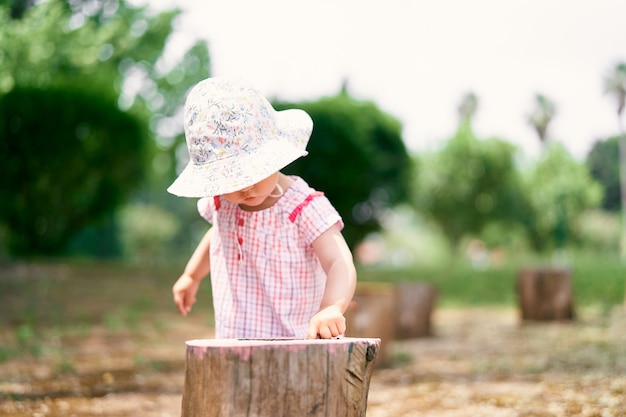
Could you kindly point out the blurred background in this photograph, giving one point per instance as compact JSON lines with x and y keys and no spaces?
{"x":460,"y":141}
{"x":441,"y":131}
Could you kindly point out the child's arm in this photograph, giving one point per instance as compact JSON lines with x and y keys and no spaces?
{"x":336,"y":259}
{"x":197,"y":268}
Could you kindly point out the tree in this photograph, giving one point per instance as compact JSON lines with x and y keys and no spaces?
{"x":111,"y":53}
{"x":541,"y":116}
{"x":603,"y":165}
{"x":106,"y":44}
{"x":615,"y":85}
{"x":18,"y":7}
{"x":469,"y":184}
{"x":357,"y":157}
{"x":560,"y":189}
{"x":467,"y":108}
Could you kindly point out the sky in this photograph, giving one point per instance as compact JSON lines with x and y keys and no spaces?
{"x":417,"y":59}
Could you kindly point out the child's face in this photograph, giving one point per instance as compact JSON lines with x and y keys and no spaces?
{"x":256,"y":196}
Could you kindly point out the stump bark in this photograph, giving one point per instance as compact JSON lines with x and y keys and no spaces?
{"x":278,"y":378}
{"x":415,"y":303}
{"x":545,"y":294}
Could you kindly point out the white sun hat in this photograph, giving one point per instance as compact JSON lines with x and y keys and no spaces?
{"x":235,"y":138}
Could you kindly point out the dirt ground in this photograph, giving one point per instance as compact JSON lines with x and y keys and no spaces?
{"x":480,"y":362}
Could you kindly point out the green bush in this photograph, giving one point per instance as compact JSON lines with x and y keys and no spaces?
{"x":600,"y":231}
{"x":68,"y":157}
{"x":145,"y":231}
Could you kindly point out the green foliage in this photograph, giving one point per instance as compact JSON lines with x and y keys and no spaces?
{"x":560,"y":190}
{"x":44,"y":48}
{"x":114,"y":47}
{"x":472,"y":188}
{"x":469,"y":184}
{"x":108,"y":56}
{"x":357,"y":157}
{"x":599,"y":231}
{"x":68,"y":157}
{"x":144,"y":228}
{"x":603,"y":164}
{"x":615,"y":86}
{"x":17,"y":7}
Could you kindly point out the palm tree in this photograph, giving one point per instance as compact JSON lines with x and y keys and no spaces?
{"x":615,"y":85}
{"x":541,"y":116}
{"x":467,"y":108}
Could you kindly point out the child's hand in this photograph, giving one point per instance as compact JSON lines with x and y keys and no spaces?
{"x":327,"y":323}
{"x":184,"y":290}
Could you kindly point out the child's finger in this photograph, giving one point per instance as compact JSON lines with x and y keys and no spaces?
{"x":181,"y":308}
{"x":341,"y":327}
{"x":181,"y":304}
{"x":333,"y":328}
{"x":325,"y":332}
{"x":312,"y":332}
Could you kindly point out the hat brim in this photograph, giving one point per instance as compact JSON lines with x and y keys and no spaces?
{"x":236,"y":172}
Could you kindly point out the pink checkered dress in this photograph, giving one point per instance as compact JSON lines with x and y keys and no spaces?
{"x":266,"y":280}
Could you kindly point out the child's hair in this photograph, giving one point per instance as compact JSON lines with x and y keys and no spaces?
{"x":235,"y":138}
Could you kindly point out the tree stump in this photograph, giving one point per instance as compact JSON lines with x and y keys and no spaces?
{"x":415,"y":303}
{"x":372,"y":314}
{"x":278,"y":378}
{"x":545,"y":294}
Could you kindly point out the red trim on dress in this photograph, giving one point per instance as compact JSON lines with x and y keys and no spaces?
{"x":294,"y":214}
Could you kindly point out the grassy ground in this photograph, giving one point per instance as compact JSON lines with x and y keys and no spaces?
{"x":598,"y":280}
{"x":45,"y":302}
{"x":70,"y":297}
{"x":87,"y":338}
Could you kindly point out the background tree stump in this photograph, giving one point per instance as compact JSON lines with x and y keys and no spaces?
{"x":278,"y":378}
{"x":372,"y":314}
{"x":415,"y":303}
{"x":545,"y":294}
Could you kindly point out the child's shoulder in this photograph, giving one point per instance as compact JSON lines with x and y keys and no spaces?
{"x":299,"y":191}
{"x":303,"y":199}
{"x":206,"y":207}
{"x":299,"y":186}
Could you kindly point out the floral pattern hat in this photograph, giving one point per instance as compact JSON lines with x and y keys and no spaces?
{"x":235,"y":138}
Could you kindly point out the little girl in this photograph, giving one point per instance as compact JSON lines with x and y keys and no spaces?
{"x":279,"y":265}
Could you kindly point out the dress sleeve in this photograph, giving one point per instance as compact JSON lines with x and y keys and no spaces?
{"x":206,"y":208}
{"x":317,"y":216}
